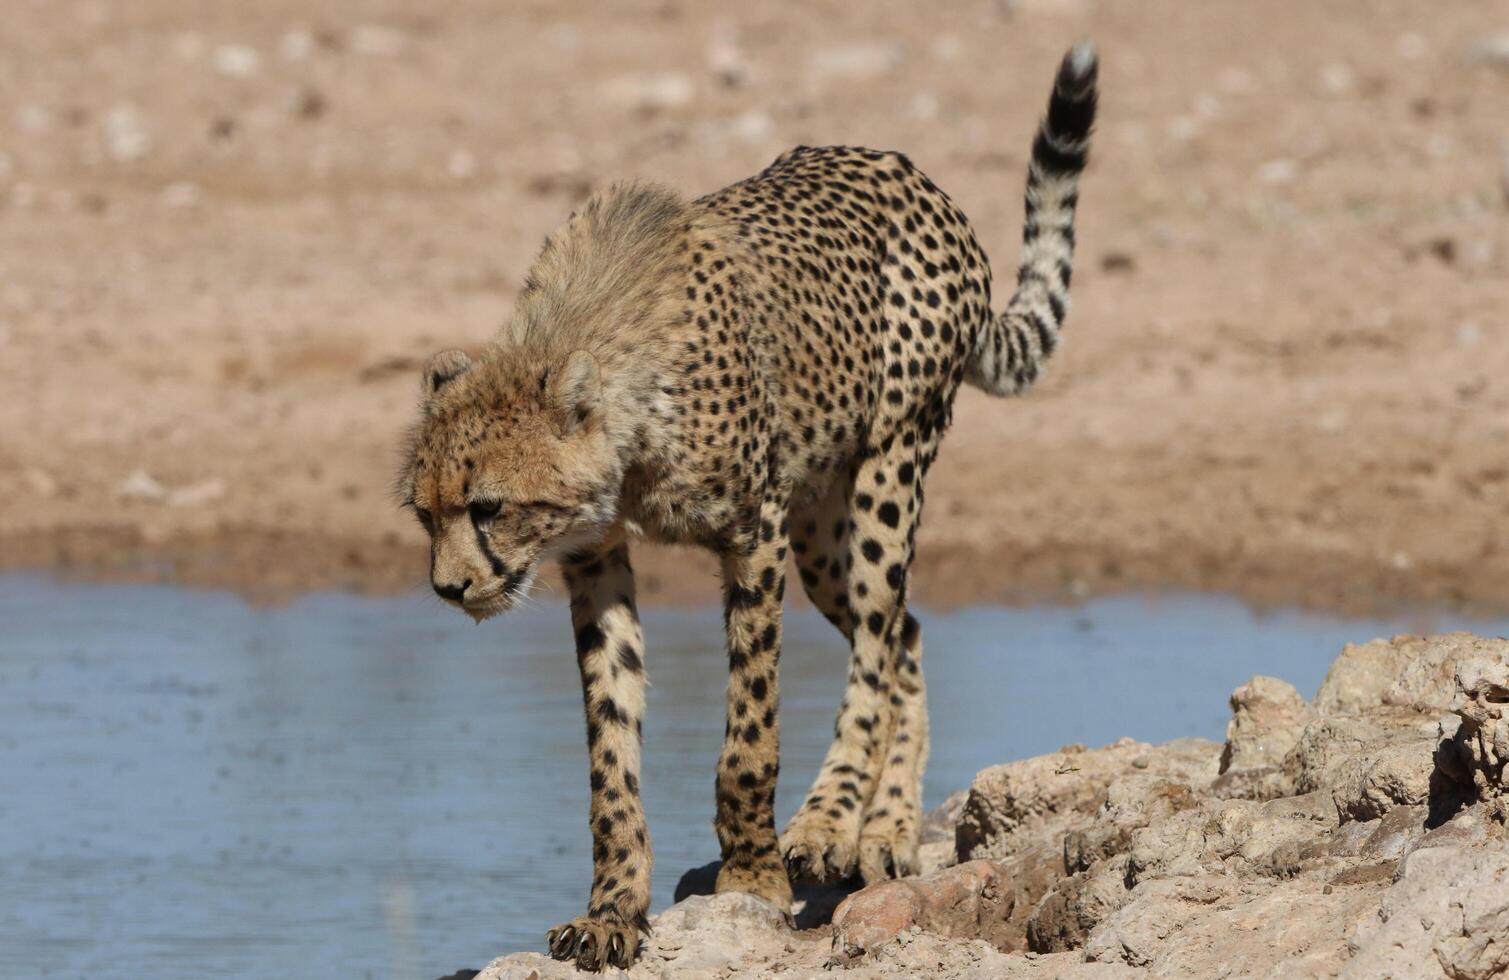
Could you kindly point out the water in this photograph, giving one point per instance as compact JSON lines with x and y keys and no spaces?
{"x":352,"y":786}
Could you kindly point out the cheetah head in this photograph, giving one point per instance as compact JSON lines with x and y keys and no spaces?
{"x":508,"y":466}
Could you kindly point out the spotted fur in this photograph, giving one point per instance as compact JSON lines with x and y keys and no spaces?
{"x":766,"y":372}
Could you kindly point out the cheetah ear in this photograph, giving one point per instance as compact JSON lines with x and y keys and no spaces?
{"x":575,"y":388}
{"x":444,"y":368}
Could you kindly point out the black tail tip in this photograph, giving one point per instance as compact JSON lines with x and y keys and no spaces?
{"x":1077,"y":73}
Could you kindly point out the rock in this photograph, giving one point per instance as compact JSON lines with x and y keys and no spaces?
{"x":1268,"y":717}
{"x":1447,"y":916}
{"x":971,"y":900}
{"x":1011,"y":807}
{"x":1473,"y":759}
{"x":1369,"y":840}
{"x":1358,"y":678}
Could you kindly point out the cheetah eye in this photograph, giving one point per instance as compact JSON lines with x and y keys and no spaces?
{"x":425,"y":518}
{"x":483,"y":511}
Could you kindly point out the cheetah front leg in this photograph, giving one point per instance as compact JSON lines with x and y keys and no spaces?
{"x":610,"y":654}
{"x":754,"y":585}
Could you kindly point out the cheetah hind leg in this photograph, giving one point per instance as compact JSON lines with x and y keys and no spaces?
{"x":892,"y":831}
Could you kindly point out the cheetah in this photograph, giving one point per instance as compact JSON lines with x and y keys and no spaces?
{"x":766,"y":372}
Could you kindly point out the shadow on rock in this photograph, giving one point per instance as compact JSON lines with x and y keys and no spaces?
{"x":814,"y":903}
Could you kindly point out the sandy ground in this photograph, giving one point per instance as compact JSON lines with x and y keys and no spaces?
{"x":229,"y":234}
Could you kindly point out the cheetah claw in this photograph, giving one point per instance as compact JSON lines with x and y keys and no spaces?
{"x":594,"y":944}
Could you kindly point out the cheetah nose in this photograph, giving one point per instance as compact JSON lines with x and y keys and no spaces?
{"x":452,"y":592}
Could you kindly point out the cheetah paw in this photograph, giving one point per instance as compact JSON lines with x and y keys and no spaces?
{"x":821,"y":853}
{"x":884,"y":856}
{"x":594,"y":944}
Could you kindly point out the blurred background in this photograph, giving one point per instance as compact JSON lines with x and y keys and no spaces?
{"x":230,"y":234}
{"x":233,"y":231}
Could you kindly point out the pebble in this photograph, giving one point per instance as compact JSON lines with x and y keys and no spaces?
{"x":1182,"y":129}
{"x":181,"y":194}
{"x":237,"y":61}
{"x":296,"y":44}
{"x":377,"y":40}
{"x":1337,"y":78}
{"x":1490,"y":51}
{"x":1280,"y":171}
{"x":924,"y":105}
{"x":126,"y":136}
{"x":753,"y":126}
{"x":140,"y":485}
{"x":726,"y":62}
{"x":197,"y":494}
{"x":654,"y":91}
{"x":855,"y":61}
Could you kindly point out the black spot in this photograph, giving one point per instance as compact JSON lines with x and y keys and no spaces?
{"x":589,"y":638}
{"x":889,"y":514}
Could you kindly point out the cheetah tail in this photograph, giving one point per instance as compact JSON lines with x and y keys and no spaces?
{"x":1011,"y":349}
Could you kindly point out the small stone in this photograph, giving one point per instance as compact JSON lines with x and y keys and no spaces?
{"x":181,"y":194}
{"x":140,"y":485}
{"x":1281,"y":171}
{"x":924,"y":105}
{"x":726,"y":62}
{"x":378,"y":41}
{"x":753,"y":126}
{"x":237,"y":61}
{"x":651,"y":92}
{"x":855,"y":61}
{"x":1490,"y":51}
{"x":197,"y":494}
{"x":1337,"y":78}
{"x":1182,"y":129}
{"x":126,"y":136}
{"x":947,"y":47}
{"x":296,"y":44}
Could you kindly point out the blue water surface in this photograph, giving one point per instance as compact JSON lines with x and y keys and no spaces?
{"x":191,"y":786}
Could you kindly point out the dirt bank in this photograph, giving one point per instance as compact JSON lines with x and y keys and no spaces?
{"x":232,"y":232}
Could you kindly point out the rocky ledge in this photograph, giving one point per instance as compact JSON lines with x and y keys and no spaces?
{"x":1360,"y":834}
